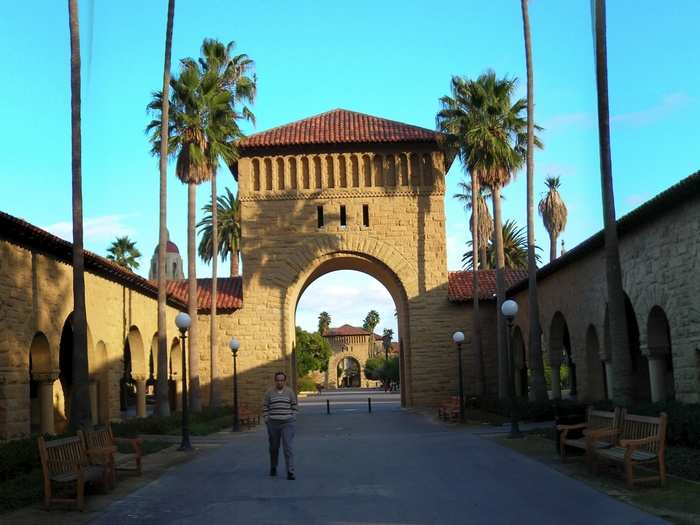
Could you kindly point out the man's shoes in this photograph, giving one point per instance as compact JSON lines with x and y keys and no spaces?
{"x":273,"y":471}
{"x":291,"y":476}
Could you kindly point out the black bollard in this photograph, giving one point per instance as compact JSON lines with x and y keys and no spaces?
{"x":369,"y":404}
{"x":328,"y":406}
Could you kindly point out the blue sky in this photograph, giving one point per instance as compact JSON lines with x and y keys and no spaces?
{"x":392,"y":59}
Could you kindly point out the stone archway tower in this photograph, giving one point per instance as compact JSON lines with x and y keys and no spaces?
{"x":344,"y":190}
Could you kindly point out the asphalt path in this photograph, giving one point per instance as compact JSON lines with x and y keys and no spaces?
{"x":390,"y":467}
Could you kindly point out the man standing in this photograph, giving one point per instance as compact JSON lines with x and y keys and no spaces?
{"x":279,"y":413}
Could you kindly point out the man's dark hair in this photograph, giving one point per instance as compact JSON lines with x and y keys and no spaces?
{"x":280,"y":374}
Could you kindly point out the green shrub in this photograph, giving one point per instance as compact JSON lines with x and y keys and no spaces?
{"x":306,"y":383}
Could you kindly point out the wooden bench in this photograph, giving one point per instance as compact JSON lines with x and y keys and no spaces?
{"x":449,"y":409}
{"x":589,"y":440}
{"x":247,"y":417}
{"x":66,"y":461}
{"x":103,"y":448}
{"x":640,"y":440}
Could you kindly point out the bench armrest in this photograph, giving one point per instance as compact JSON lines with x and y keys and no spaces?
{"x":635,"y":443}
{"x":572,"y":427}
{"x":597,"y":434}
{"x":134,"y":443}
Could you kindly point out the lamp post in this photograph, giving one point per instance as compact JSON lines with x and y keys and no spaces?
{"x":458,"y":338}
{"x":183,"y":322}
{"x":509,"y":309}
{"x":235,"y":345}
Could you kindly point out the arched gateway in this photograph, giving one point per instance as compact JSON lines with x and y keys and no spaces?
{"x":347,"y":191}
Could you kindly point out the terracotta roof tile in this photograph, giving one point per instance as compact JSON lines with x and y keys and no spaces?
{"x":459,"y":284}
{"x":345,"y":330}
{"x":339,"y":126}
{"x":229,"y":294}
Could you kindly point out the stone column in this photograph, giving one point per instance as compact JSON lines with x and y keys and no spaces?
{"x":518,"y":382}
{"x":657,"y":379}
{"x":140,"y":397}
{"x":556,"y":382}
{"x":609,"y":377}
{"x":46,"y":403}
{"x":93,"y":402}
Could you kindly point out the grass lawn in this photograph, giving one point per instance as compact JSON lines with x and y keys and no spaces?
{"x":678,"y":503}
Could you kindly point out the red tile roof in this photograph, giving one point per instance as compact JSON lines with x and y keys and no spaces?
{"x":229,"y":296}
{"x":459,"y":284}
{"x":345,"y":330}
{"x":338,"y":126}
{"x":30,"y":237}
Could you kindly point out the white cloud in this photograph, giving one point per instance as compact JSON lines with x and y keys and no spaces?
{"x":102,"y":228}
{"x":669,"y":104}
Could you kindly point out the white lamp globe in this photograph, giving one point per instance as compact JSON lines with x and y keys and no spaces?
{"x":234,"y":344}
{"x":509,"y":308}
{"x":183,"y":321}
{"x":458,"y":337}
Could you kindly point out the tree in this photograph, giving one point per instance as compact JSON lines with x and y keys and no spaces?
{"x":123,"y":251}
{"x":324,"y":322}
{"x":80,"y":395}
{"x":371,"y":321}
{"x":554,"y":214}
{"x":386,"y":341}
{"x":514,"y":248}
{"x":229,"y":220}
{"x":312,"y":352}
{"x":162,"y":402}
{"x":373,"y":368}
{"x":485,"y":222}
{"x":535,"y":331}
{"x":230,"y":74}
{"x":494,"y":136}
{"x":621,"y":359}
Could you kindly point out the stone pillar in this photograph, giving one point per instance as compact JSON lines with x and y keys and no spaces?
{"x":556,"y":382}
{"x":609,"y":377}
{"x":140,"y":397}
{"x":657,"y":378}
{"x":518,"y":382}
{"x":93,"y":402}
{"x":46,"y":404}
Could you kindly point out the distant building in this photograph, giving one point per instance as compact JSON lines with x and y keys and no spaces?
{"x":173,"y":263}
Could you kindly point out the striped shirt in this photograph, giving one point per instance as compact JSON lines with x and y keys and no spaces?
{"x":280,"y":405}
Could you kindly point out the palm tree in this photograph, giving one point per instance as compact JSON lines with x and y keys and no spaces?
{"x":80,"y":395}
{"x":386,"y":341}
{"x":499,"y":136}
{"x":229,"y":221}
{"x":621,"y":360}
{"x":455,"y":120}
{"x":514,"y":248}
{"x":324,"y":322}
{"x":162,"y":404}
{"x":231,"y":74}
{"x":485,"y":221}
{"x":536,"y":363}
{"x":123,"y":251}
{"x":371,"y":321}
{"x":554,"y":213}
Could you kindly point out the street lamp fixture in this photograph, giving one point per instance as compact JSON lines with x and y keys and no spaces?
{"x":234,"y":345}
{"x":509,"y":309}
{"x":183,"y":323}
{"x":458,"y":338}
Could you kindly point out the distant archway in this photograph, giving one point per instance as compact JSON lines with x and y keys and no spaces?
{"x":133,"y":368}
{"x":561,"y":358}
{"x":595,"y":368}
{"x":641,"y":388}
{"x":40,"y":370}
{"x":349,"y":373}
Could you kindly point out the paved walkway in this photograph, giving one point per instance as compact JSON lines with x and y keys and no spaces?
{"x":390,"y":467}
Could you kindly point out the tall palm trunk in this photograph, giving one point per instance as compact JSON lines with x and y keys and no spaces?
{"x":213,"y":387}
{"x":195,"y":402}
{"x":476,"y":318}
{"x":484,"y":258}
{"x":234,"y":262}
{"x":80,"y":394}
{"x":539,"y":386}
{"x":500,"y":294}
{"x":552,"y":246}
{"x":621,"y":359}
{"x":162,"y":401}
